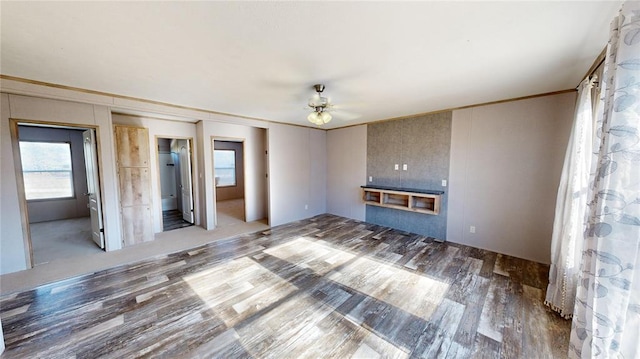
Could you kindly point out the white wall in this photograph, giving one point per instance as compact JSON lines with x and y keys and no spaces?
{"x":51,"y":105}
{"x":13,"y":253}
{"x":317,"y":172}
{"x":505,"y":164}
{"x":346,"y":171}
{"x":169,"y":191}
{"x":255,"y":168}
{"x":1,"y":339}
{"x":162,"y":129}
{"x":505,"y":169}
{"x":201,"y":214}
{"x":297,"y":171}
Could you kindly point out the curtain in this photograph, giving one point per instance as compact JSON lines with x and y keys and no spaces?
{"x":571,"y":206}
{"x":606,"y":316}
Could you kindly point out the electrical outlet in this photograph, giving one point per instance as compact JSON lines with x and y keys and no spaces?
{"x":472,"y":229}
{"x":396,"y":167}
{"x":404,"y":167}
{"x":444,"y":183}
{"x":370,"y":178}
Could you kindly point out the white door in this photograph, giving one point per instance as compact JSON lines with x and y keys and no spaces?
{"x":185,"y":181}
{"x":93,"y":187}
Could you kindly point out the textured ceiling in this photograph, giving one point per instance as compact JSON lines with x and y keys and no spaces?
{"x":378,"y":60}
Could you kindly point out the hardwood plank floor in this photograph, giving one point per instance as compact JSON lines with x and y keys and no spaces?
{"x":324,"y":287}
{"x":172,"y":219}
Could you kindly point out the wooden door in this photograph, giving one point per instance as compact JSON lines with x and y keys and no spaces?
{"x":132,"y":147}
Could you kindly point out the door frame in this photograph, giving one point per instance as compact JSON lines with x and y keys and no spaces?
{"x":159,"y":184}
{"x":17,"y":164}
{"x":242,"y":141}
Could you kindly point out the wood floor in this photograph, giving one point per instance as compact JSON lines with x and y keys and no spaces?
{"x":172,"y":219}
{"x":327,"y":287}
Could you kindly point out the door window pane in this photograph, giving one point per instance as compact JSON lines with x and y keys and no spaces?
{"x":46,"y":169}
{"x":225,"y":167}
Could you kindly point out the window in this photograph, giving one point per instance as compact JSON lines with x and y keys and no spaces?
{"x":46,"y":169}
{"x":225,"y":167}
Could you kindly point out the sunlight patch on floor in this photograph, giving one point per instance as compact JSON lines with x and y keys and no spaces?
{"x":238,"y":289}
{"x":316,"y":256}
{"x":409,"y":291}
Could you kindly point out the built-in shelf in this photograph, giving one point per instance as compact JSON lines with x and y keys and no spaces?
{"x":406,"y":199}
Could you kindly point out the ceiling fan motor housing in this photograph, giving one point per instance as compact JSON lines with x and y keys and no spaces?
{"x":318,"y":102}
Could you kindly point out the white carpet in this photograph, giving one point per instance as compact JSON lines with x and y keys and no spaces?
{"x":230,"y":212}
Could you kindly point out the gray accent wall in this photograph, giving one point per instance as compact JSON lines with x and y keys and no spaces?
{"x":423,"y":144}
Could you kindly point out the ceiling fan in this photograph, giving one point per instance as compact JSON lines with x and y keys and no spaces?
{"x":322,"y":108}
{"x":320,"y":105}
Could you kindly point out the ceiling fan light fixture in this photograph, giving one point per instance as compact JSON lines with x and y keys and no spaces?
{"x":319,"y":104}
{"x":319,"y":117}
{"x":314,"y":118}
{"x":325,"y":117}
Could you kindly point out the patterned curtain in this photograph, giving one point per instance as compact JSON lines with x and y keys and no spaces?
{"x":571,"y":206}
{"x":606,"y":316}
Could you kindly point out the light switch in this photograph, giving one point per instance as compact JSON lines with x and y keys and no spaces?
{"x":472,"y":229}
{"x":444,"y":183}
{"x":370,"y":178}
{"x":404,"y":167}
{"x":396,"y":167}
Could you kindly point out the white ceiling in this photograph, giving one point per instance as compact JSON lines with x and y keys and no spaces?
{"x":378,"y":60}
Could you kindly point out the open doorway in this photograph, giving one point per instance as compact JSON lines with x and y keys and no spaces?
{"x":176,"y":183}
{"x":228,"y":163}
{"x":60,"y":181}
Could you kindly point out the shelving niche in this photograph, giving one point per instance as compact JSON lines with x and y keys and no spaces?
{"x":403,"y":199}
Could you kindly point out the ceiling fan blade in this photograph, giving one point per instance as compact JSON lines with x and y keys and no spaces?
{"x":359,"y":104}
{"x":346,"y":115}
